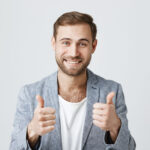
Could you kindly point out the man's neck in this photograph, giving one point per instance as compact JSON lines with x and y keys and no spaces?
{"x":72,"y":86}
{"x":71,"y":82}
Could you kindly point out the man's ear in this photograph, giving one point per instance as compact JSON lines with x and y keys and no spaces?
{"x":53,"y":42}
{"x":94,"y":44}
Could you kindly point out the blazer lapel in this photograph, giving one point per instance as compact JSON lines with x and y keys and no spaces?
{"x":92,"y":97}
{"x":54,"y":101}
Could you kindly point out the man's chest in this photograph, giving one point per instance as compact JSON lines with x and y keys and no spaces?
{"x":73,"y":96}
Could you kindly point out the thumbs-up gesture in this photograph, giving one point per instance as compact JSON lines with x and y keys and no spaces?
{"x":42,"y":122}
{"x":105,"y":117}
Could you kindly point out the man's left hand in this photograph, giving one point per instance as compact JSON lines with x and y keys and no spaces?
{"x":105,"y":117}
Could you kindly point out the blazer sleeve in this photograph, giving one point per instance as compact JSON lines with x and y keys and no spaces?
{"x":22,"y":117}
{"x":124,"y":140}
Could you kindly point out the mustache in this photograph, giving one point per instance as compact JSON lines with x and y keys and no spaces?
{"x":72,"y":58}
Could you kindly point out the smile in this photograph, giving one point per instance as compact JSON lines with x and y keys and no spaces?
{"x":73,"y":62}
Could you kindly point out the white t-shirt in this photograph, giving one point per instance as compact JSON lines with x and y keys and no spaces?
{"x":72,"y":117}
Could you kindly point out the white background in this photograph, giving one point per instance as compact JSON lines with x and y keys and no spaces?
{"x":122,"y":53}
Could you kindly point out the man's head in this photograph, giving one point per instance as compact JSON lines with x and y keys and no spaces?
{"x":74,"y":41}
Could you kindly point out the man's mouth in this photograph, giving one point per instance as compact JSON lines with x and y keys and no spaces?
{"x":72,"y":61}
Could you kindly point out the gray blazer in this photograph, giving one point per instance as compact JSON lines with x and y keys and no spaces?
{"x":93,"y":137}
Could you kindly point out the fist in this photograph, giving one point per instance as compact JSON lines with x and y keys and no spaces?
{"x":42,"y":122}
{"x":104,"y":115}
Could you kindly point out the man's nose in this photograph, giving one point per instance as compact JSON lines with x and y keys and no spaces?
{"x":74,"y":50}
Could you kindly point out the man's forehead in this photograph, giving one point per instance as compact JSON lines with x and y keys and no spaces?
{"x":78,"y":31}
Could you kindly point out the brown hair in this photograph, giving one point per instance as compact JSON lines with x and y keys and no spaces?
{"x":72,"y":18}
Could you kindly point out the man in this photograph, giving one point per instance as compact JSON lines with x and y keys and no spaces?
{"x":72,"y":109}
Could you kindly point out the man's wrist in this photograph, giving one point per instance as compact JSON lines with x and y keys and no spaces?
{"x":114,"y":132}
{"x":32,"y":137}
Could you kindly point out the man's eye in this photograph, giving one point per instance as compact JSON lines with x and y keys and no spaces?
{"x":66,"y":43}
{"x":83,"y":44}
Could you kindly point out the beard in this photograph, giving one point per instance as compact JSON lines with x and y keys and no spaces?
{"x":73,"y":70}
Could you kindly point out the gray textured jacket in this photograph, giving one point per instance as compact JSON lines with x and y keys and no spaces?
{"x":93,"y":137}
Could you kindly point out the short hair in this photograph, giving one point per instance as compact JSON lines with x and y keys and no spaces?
{"x":72,"y":18}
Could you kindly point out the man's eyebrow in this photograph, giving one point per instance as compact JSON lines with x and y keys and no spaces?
{"x":64,"y":39}
{"x":84,"y":40}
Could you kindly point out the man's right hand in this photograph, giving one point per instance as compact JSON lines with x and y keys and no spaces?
{"x":43,"y":122}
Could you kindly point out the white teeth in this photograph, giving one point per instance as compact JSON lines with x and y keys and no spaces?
{"x":73,"y":62}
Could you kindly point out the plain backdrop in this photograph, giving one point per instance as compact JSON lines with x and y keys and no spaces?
{"x":122,"y":53}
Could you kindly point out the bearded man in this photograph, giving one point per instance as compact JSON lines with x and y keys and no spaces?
{"x":72,"y":109}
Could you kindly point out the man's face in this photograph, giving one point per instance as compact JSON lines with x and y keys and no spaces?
{"x":73,"y":48}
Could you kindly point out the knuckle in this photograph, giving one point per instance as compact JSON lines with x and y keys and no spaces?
{"x":52,"y":128}
{"x":54,"y":117}
{"x":39,"y":117}
{"x":53,"y":122}
{"x":96,"y":117}
{"x":97,"y":111}
{"x":53,"y":110}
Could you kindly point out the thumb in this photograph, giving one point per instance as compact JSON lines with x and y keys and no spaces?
{"x":110,"y":98}
{"x":40,"y":101}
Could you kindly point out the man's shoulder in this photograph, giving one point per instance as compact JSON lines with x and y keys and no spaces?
{"x":101,"y":81}
{"x":42,"y":84}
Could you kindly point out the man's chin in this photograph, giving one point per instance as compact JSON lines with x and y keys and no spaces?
{"x":73,"y":72}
